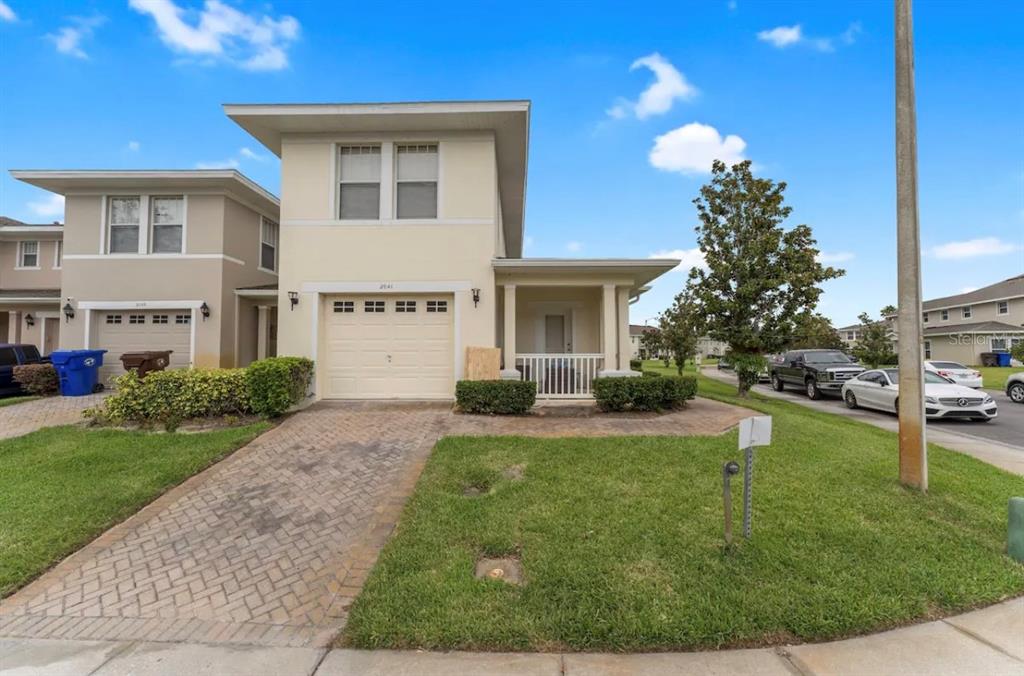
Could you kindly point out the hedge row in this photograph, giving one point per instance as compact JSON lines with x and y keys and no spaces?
{"x":656,"y":393}
{"x":268,"y":387}
{"x":501,"y":397}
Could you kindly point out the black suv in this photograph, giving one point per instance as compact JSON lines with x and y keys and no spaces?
{"x":815,"y":371}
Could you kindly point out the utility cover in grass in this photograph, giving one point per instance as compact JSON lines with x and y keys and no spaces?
{"x":505,"y":570}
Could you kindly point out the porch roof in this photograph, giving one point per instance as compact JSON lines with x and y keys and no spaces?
{"x":636,"y":272}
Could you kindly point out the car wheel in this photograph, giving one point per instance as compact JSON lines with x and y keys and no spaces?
{"x":812,"y":390}
{"x":1016,"y":393}
{"x":777,"y":383}
{"x":851,"y":399}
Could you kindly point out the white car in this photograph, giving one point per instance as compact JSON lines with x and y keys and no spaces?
{"x":958,"y":373}
{"x":879,"y":389}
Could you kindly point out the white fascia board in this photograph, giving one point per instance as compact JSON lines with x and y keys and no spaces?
{"x":435,"y":107}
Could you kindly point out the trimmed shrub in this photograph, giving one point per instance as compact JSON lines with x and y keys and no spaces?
{"x":501,"y":397}
{"x":278,"y":383}
{"x":636,"y":364}
{"x":169,"y":397}
{"x":644,"y":394}
{"x":40,"y":379}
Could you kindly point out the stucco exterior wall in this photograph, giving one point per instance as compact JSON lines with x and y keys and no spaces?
{"x":46,"y":277}
{"x":980,"y":312}
{"x":454,"y":249}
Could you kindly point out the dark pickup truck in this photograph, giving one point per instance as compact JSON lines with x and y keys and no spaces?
{"x":11,"y":356}
{"x":814,"y":371}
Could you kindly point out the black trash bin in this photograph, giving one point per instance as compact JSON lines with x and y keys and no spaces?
{"x":145,"y":362}
{"x":989,"y":359}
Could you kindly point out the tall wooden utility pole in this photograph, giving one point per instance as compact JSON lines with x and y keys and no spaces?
{"x":913,"y":448}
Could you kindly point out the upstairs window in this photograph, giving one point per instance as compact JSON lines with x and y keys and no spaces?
{"x":28,"y":254}
{"x":359,"y":183}
{"x":945,"y":315}
{"x":1003,"y":307}
{"x":269,"y":231}
{"x":168,"y":224}
{"x":58,"y":255}
{"x":924,"y":318}
{"x":416,"y":181}
{"x":967,"y":312}
{"x":124,"y":224}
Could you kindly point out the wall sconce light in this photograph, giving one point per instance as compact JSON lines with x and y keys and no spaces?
{"x":476,"y":296}
{"x":204,"y":310}
{"x":69,"y":312}
{"x":293,"y":298}
{"x":30,"y":320}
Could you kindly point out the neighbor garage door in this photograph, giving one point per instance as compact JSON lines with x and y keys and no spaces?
{"x":131,"y":331}
{"x":379,"y":347}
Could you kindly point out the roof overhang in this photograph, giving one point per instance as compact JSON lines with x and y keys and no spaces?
{"x":637,"y":272}
{"x":508,"y":120}
{"x":19,"y":232}
{"x":229,"y":181}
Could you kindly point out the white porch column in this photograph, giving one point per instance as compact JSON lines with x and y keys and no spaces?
{"x":623,"y":328}
{"x":609,"y":331}
{"x":262,"y":330}
{"x":509,"y":345}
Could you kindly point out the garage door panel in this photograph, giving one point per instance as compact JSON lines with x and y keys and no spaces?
{"x":402,"y":352}
{"x":132,"y":331}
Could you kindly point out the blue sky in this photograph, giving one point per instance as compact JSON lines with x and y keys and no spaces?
{"x":628,"y":105}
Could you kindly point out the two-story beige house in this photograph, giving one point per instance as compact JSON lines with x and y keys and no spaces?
{"x":158,"y":260}
{"x":401,"y":246}
{"x":959,"y":328}
{"x":30,"y":273}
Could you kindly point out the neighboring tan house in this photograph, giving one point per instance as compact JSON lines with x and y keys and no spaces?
{"x":850,"y":335}
{"x":401,"y":247}
{"x":160,"y":260}
{"x":30,"y":267}
{"x":637,"y":349}
{"x":709,"y":347}
{"x":961,"y":327}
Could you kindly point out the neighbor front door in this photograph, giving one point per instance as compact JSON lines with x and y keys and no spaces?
{"x":554,"y":334}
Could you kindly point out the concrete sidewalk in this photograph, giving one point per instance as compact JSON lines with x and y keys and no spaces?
{"x":1004,"y":456}
{"x":988,"y":641}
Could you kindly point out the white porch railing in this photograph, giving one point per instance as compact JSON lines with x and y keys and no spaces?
{"x":561,"y":376}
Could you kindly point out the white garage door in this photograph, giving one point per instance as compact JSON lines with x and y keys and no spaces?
{"x":121,"y":331}
{"x":382,"y":347}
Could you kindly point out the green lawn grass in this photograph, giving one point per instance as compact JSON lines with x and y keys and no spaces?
{"x":17,"y":399}
{"x":60,"y":487}
{"x":994,"y":377}
{"x":621,"y":542}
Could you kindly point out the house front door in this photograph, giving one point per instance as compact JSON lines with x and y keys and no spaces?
{"x":554,"y":334}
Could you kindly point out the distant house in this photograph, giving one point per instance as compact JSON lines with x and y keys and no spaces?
{"x":708,"y":347}
{"x":637,"y":350}
{"x":961,"y":327}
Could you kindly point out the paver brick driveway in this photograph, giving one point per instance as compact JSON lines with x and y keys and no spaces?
{"x":270,"y":546}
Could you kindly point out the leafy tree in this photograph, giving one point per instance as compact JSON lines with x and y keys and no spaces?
{"x":813,"y":331}
{"x":874,"y":347}
{"x":888,"y":311}
{"x":759,"y":276}
{"x":650,"y":341}
{"x":681,"y":326}
{"x":1017,"y":351}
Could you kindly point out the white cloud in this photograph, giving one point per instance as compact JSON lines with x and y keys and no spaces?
{"x":837,"y":257}
{"x":968,"y":289}
{"x":50,"y":207}
{"x":68,"y":40}
{"x":527,"y":242}
{"x":782,"y":36}
{"x":250,"y":154}
{"x":229,"y":163}
{"x":692,"y":148}
{"x":6,"y":13}
{"x":973,"y":248}
{"x":669,"y":84}
{"x":219,"y":32}
{"x":689,"y":258}
{"x":134,"y":146}
{"x":574,"y":246}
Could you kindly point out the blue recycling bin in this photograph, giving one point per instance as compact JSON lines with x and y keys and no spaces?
{"x":1003,"y":358}
{"x":78,"y":371}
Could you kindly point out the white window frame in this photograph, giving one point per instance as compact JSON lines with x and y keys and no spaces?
{"x":992,"y":343}
{"x":1003,"y":307}
{"x":143,"y":224}
{"x":277,"y":246}
{"x":396,"y":181}
{"x":19,"y":263}
{"x":58,"y":254}
{"x":927,"y":349}
{"x":966,"y":312}
{"x":382,"y":148}
{"x":944,"y":315}
{"x":152,"y":224}
{"x":924,"y":318}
